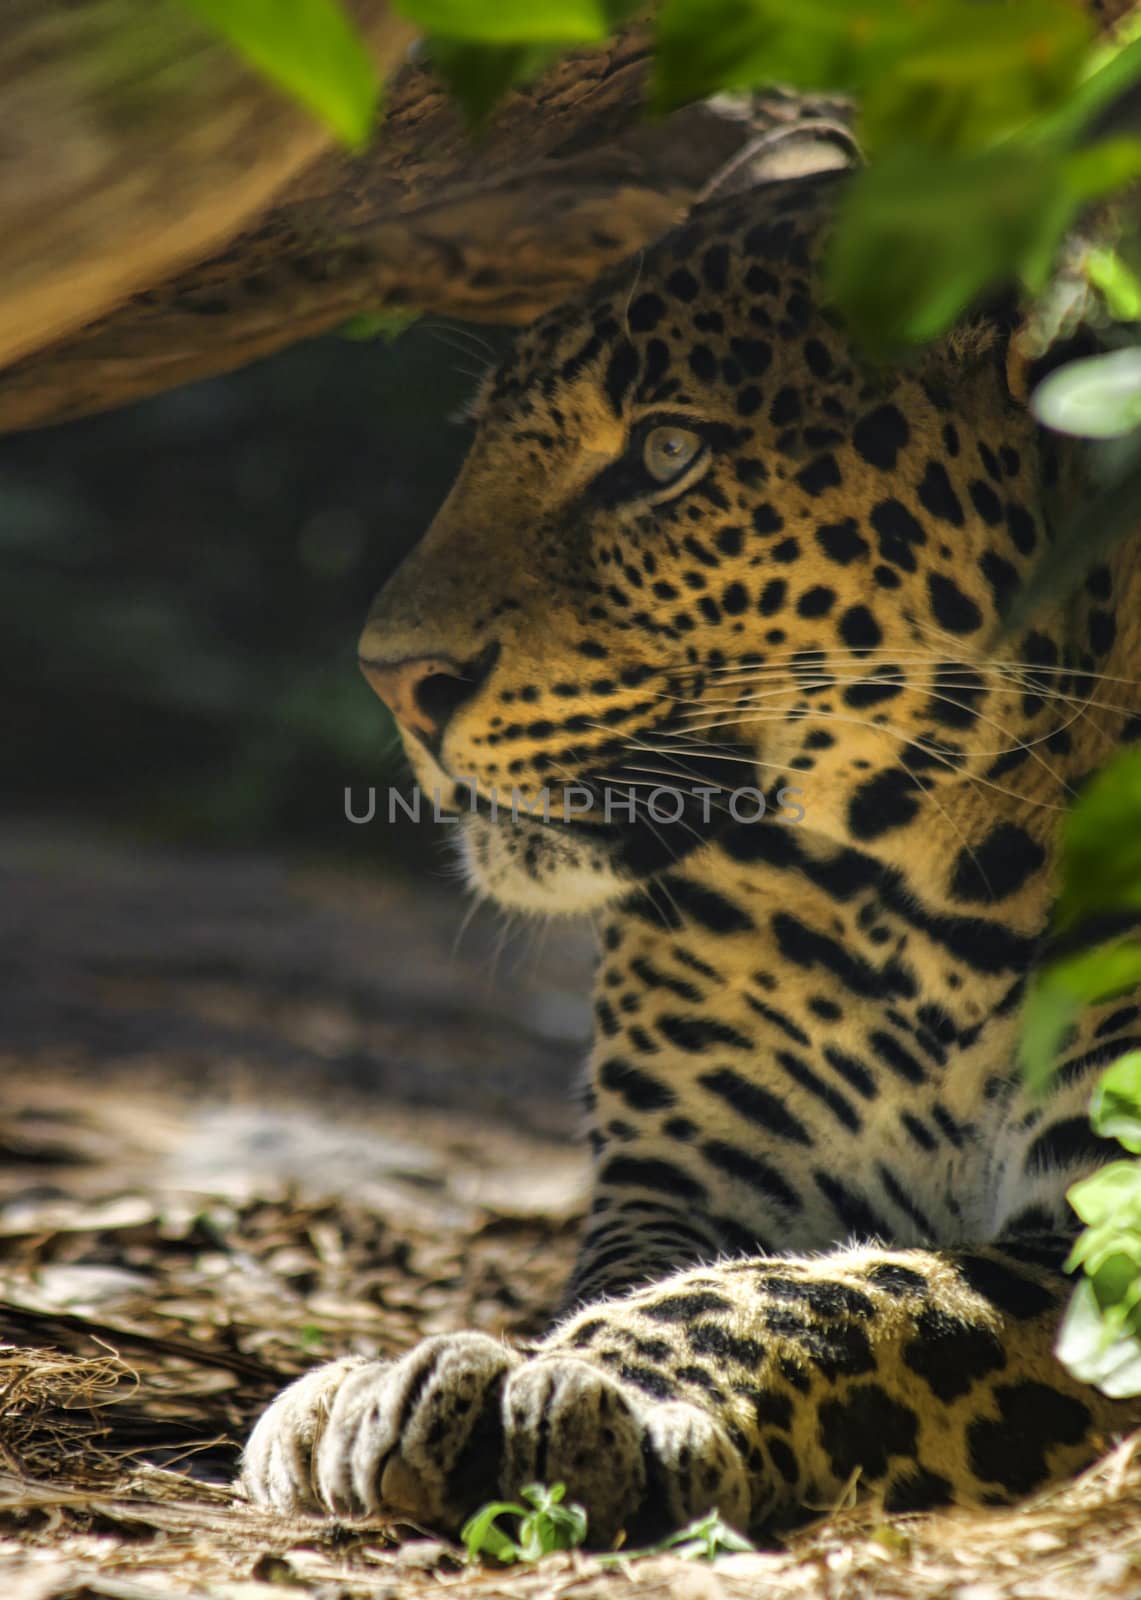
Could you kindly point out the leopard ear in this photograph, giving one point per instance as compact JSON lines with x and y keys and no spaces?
{"x":806,"y":136}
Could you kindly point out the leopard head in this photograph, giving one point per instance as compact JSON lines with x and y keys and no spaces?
{"x":700,"y":546}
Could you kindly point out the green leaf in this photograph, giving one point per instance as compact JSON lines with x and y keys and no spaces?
{"x":510,"y":22}
{"x":309,"y":48}
{"x":702,"y":46}
{"x":1097,"y":398}
{"x":1110,"y":70}
{"x":385,"y":324}
{"x":547,"y":1526}
{"x":479,"y":75}
{"x":1058,"y":996}
{"x":969,"y":78}
{"x":921,"y":234}
{"x":1119,"y":286}
{"x":1116,"y":1107}
{"x":1096,"y":1353}
{"x":1102,"y":845}
{"x":481,"y":1537}
{"x":703,"y":1540}
{"x":1099,"y":169}
{"x":952,"y":74}
{"x":1111,"y":1197}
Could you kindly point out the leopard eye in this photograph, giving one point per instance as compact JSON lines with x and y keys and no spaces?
{"x":669,"y":450}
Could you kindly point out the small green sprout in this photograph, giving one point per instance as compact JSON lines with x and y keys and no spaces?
{"x":549,"y":1523}
{"x":546,"y":1524}
{"x":702,"y":1540}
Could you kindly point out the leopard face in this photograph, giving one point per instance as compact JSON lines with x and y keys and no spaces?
{"x":701,"y":544}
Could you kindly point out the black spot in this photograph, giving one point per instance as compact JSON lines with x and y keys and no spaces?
{"x":695,"y":1034}
{"x":645,"y":313}
{"x":772,"y":597}
{"x":785,"y":407}
{"x":735,"y":599}
{"x":896,"y":1280}
{"x":936,"y":495}
{"x":859,"y":629}
{"x":826,"y":1297}
{"x":916,"y":1490}
{"x":1007,"y":1290}
{"x":759,"y":280}
{"x":998,"y":866}
{"x":715,"y":267}
{"x":889,"y":1050}
{"x":755,"y":355}
{"x":1099,"y":583}
{"x":751,"y":1169}
{"x":755,"y":1104}
{"x":881,"y":687}
{"x":1001,"y":576}
{"x":949,"y":1354}
{"x":703,"y":363}
{"x":800,"y":1072}
{"x":818,"y":475}
{"x":1102,"y":632}
{"x":882,"y":803}
{"x":706,"y":907}
{"x":620,"y":374}
{"x":766,"y":519}
{"x":817,"y":359}
{"x":853,"y":1072}
{"x":986,"y":502}
{"x":657,"y":365}
{"x":639,"y":1089}
{"x":682,"y":284}
{"x":783,"y":1459}
{"x":770,"y":1409}
{"x":880,"y":436}
{"x":808,"y":948}
{"x":816,"y":602}
{"x":729,"y":541}
{"x":684,"y":1307}
{"x":1067,"y":1143}
{"x":645,"y":1173}
{"x":651,"y":1382}
{"x":897,"y":531}
{"x":1022,"y":529}
{"x":865,"y":1430}
{"x":787,"y":551}
{"x":950,"y":607}
{"x":1012,"y":1451}
{"x":710,"y":1339}
{"x":841,"y":541}
{"x":749,"y":400}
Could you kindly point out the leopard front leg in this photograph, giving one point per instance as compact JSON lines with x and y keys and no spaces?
{"x":753,"y":1387}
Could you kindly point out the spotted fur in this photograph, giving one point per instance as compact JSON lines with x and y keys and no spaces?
{"x":827,"y":1221}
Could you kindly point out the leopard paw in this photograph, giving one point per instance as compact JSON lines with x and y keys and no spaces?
{"x":421,"y":1436}
{"x":462,"y":1419}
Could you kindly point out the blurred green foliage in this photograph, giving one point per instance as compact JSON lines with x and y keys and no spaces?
{"x":1100,"y":1340}
{"x":977,"y":116}
{"x":310,"y":49}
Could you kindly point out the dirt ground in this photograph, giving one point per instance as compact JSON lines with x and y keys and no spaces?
{"x":253,"y":1116}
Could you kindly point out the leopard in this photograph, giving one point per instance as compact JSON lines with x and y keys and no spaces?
{"x":732,"y":595}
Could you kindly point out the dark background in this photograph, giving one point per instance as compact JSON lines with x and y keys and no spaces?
{"x":182,"y":583}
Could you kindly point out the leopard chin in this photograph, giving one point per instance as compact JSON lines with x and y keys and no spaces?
{"x":546,"y":869}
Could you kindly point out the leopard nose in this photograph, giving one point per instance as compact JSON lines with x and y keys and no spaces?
{"x":424,"y":692}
